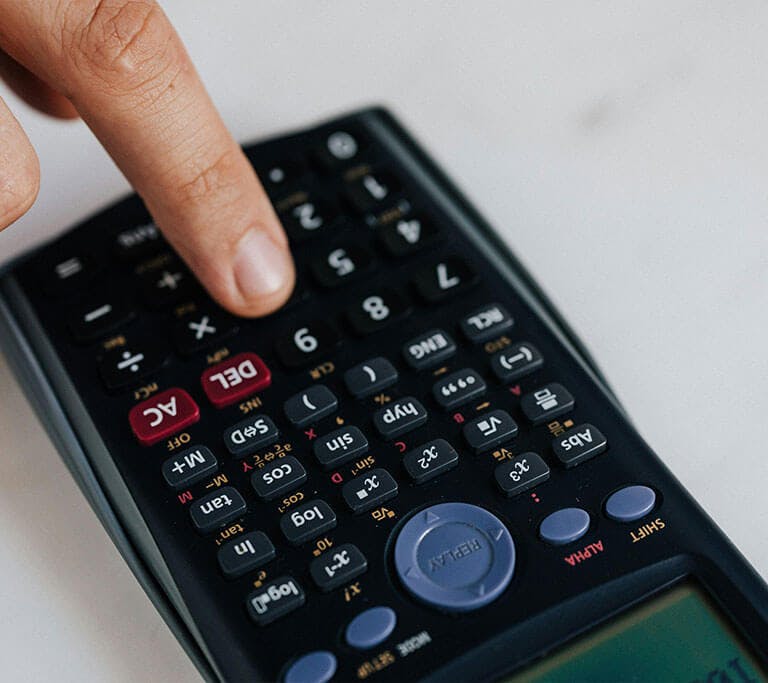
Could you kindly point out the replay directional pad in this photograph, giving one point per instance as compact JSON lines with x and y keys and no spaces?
{"x":455,"y":556}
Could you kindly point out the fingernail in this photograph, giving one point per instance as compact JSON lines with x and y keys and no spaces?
{"x":261,"y":267}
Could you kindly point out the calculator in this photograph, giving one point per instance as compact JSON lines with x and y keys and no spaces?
{"x":413,"y":471}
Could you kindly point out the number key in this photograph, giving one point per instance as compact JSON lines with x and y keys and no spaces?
{"x":443,"y":279}
{"x":341,"y":264}
{"x":306,"y":343}
{"x":306,"y":219}
{"x":376,"y":311}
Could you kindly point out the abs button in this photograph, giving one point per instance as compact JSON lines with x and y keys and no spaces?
{"x":579,"y":444}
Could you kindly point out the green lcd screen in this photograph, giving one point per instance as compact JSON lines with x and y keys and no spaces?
{"x":678,"y":636}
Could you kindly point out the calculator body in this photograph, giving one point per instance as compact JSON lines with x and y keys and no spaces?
{"x":548,"y":585}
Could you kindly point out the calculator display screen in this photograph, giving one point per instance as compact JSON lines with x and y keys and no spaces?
{"x":678,"y":636}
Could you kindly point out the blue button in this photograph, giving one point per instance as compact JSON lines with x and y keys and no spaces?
{"x":315,"y":667}
{"x":564,"y":526}
{"x":455,"y":556}
{"x":371,"y":627}
{"x":630,"y":503}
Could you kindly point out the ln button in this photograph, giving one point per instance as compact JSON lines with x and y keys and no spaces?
{"x":235,"y":378}
{"x":164,"y":414}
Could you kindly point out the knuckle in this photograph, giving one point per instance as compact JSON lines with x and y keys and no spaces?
{"x":19,"y":186}
{"x":216,"y":176}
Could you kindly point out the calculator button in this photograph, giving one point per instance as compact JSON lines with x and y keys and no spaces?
{"x":456,"y":557}
{"x":310,"y":405}
{"x":428,"y":349}
{"x":278,"y":477}
{"x":489,"y":430}
{"x":306,"y":343}
{"x":485,"y":323}
{"x":307,"y":521}
{"x":124,"y":366}
{"x":521,"y":473}
{"x":338,"y":147}
{"x":564,"y":526}
{"x":547,"y":402}
{"x":399,"y":417}
{"x":458,"y":388}
{"x":307,"y":219}
{"x":443,"y":279}
{"x":369,"y":490}
{"x":370,"y":628}
{"x":630,"y":503}
{"x":189,"y":466}
{"x":65,"y":275}
{"x":429,"y":460}
{"x":250,"y":434}
{"x":235,"y":378}
{"x":375,"y":311}
{"x":217,"y":509}
{"x":164,"y":414}
{"x":579,"y":444}
{"x":275,"y":599}
{"x":341,"y":264}
{"x":98,"y":316}
{"x":316,"y":667}
{"x":138,"y":242}
{"x":201,"y":330}
{"x":369,"y":377}
{"x":340,"y":446}
{"x":278,"y":175}
{"x":167,"y":286}
{"x":244,"y":553}
{"x":407,"y":235}
{"x":337,"y":566}
{"x":370,"y":190}
{"x":516,"y":361}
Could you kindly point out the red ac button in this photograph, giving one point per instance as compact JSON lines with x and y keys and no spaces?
{"x":235,"y":378}
{"x":164,"y":414}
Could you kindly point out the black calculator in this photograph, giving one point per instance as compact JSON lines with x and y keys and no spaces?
{"x":413,"y":471}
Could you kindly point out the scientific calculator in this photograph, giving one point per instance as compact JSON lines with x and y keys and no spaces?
{"x":413,"y":471}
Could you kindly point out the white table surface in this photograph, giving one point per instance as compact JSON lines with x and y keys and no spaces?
{"x":620,"y":148}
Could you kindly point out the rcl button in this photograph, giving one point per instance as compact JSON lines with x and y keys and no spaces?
{"x":162,"y":415}
{"x":235,"y":378}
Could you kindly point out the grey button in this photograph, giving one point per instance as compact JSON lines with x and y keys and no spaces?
{"x":217,"y":509}
{"x":458,"y":388}
{"x":579,"y":444}
{"x":306,"y":521}
{"x":369,"y":377}
{"x":189,"y":466}
{"x":369,"y":490}
{"x":547,"y":403}
{"x":455,"y":556}
{"x":428,"y":349}
{"x":564,"y":526}
{"x":371,"y":628}
{"x":521,"y":473}
{"x":314,"y":667}
{"x":337,"y":566}
{"x":489,"y":430}
{"x":275,"y":599}
{"x":250,"y":434}
{"x":277,"y":477}
{"x":310,"y":405}
{"x":244,"y":553}
{"x":486,"y":322}
{"x":399,"y":417}
{"x":340,"y":446}
{"x":516,"y":361}
{"x":630,"y":503}
{"x":430,"y":459}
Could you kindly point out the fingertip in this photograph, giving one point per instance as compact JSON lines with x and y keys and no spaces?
{"x":19,"y":170}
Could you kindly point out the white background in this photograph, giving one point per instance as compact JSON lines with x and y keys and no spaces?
{"x":620,"y":148}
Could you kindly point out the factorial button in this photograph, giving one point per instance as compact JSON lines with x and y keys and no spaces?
{"x":399,"y":417}
{"x":315,"y":667}
{"x":235,"y":378}
{"x":457,"y":388}
{"x":98,"y":316}
{"x":546,"y":403}
{"x":486,"y":322}
{"x":201,"y":330}
{"x":377,"y":310}
{"x":455,"y":556}
{"x":127,"y":365}
{"x":444,"y":279}
{"x":138,"y":242}
{"x":369,"y":377}
{"x":340,"y":446}
{"x":370,"y":628}
{"x":564,"y":526}
{"x":337,"y":566}
{"x":306,"y":343}
{"x":275,"y":599}
{"x":367,"y":192}
{"x":341,"y":264}
{"x":244,"y":553}
{"x":189,"y":466}
{"x":428,"y":349}
{"x":310,"y":405}
{"x":630,"y":503}
{"x":369,"y":490}
{"x":407,"y":235}
{"x":489,"y":430}
{"x":430,"y":459}
{"x":516,"y":361}
{"x":307,"y":521}
{"x":579,"y":444}
{"x":253,"y":432}
{"x":521,"y":473}
{"x":278,"y":477}
{"x":217,"y":509}
{"x":164,"y":414}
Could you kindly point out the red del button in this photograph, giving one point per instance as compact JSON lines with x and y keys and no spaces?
{"x":235,"y":378}
{"x":162,"y":415}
